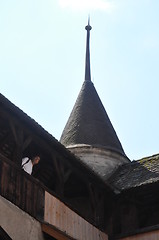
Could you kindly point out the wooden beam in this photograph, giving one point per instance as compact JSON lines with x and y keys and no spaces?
{"x":97,"y":203}
{"x":4,"y":139}
{"x":63,"y":174}
{"x":53,"y":232}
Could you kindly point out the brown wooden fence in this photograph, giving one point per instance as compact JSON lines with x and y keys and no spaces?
{"x":33,"y":197}
{"x":21,"y":189}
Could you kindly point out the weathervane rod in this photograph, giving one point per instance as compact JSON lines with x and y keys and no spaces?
{"x":87,"y":63}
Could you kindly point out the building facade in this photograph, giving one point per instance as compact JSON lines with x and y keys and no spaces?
{"x":85,"y":187}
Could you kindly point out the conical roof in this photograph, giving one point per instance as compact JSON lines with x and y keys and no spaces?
{"x":88,"y":122}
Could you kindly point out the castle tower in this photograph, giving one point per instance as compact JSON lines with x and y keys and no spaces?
{"x":89,"y":133}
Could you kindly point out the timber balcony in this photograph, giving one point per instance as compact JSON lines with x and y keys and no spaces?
{"x":30,"y":195}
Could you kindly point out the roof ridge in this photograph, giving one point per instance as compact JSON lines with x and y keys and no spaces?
{"x":149,"y":158}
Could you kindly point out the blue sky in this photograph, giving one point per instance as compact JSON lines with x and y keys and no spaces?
{"x":42,"y":61}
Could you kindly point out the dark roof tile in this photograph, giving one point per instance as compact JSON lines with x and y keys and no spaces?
{"x":136,"y":173}
{"x":89,"y":122}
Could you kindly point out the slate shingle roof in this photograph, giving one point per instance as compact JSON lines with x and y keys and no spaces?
{"x":136,"y":173}
{"x":89,"y":122}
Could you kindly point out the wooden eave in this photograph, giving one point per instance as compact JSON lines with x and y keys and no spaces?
{"x":49,"y":141}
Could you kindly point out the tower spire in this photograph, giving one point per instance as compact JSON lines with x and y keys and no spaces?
{"x":87,"y":64}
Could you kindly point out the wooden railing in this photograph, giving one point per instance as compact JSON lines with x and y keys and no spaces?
{"x":33,"y":197}
{"x":21,"y":189}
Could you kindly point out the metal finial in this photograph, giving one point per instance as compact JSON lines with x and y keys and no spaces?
{"x":87,"y":64}
{"x":88,"y":27}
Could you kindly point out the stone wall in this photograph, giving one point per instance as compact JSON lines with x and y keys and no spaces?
{"x":18,"y":224}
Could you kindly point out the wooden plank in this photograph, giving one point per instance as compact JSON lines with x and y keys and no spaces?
{"x":66,"y":220}
{"x":21,"y":189}
{"x":18,"y":185}
{"x":50,"y":230}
